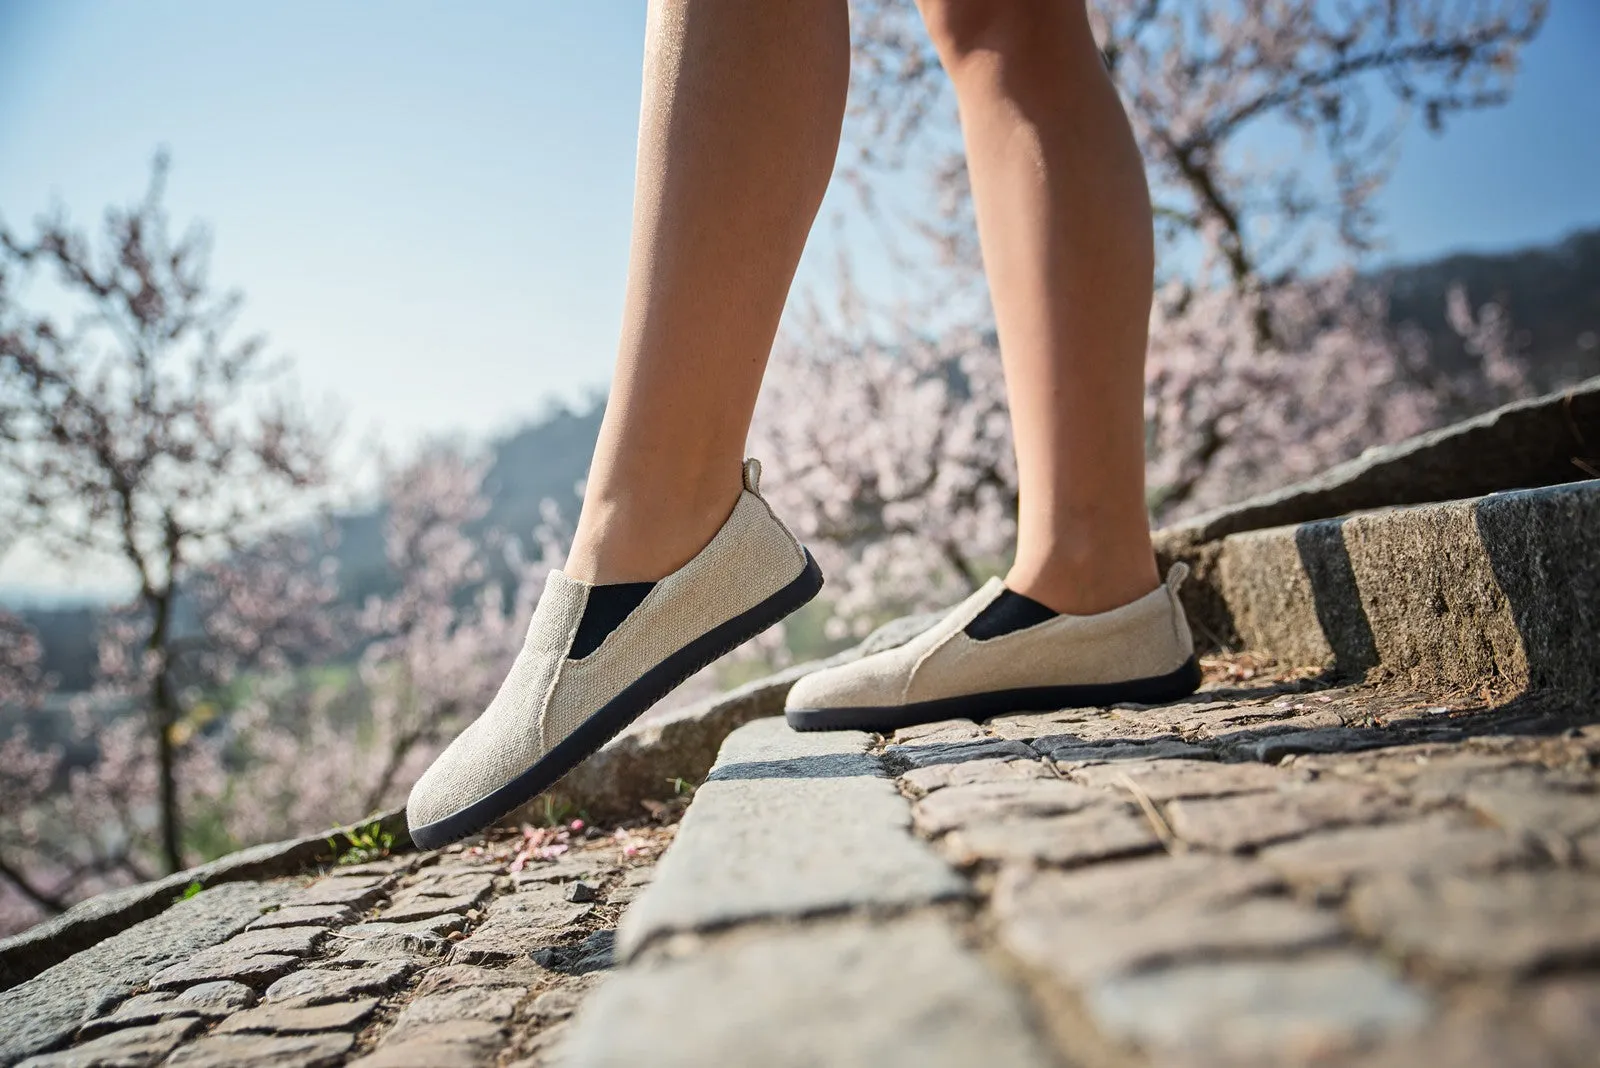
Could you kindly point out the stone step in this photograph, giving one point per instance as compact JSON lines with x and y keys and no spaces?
{"x":1501,"y":590}
{"x":1540,"y":441}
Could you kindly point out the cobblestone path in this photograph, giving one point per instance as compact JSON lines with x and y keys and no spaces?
{"x":1273,"y":873}
{"x":1276,"y":872}
{"x":460,"y":957}
{"x":1284,"y":876}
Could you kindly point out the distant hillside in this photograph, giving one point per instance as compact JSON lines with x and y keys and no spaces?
{"x":1552,"y":293}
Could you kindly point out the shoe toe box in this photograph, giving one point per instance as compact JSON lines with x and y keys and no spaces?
{"x":481,"y":760}
{"x":442,"y":790}
{"x":873,"y":681}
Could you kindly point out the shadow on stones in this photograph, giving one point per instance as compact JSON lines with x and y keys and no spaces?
{"x":828,"y":766}
{"x":1543,"y":714}
{"x":595,"y":953}
{"x":1527,"y":715}
{"x":1323,"y":680}
{"x":1337,"y":598}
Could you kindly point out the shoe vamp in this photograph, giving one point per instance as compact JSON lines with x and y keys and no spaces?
{"x":504,"y":741}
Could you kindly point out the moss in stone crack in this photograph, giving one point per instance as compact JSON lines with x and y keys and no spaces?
{"x":362,"y":844}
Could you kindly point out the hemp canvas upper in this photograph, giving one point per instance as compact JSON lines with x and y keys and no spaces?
{"x":1146,"y":639}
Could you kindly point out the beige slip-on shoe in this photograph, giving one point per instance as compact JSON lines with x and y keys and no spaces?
{"x":1141,"y":652}
{"x":597,"y":656}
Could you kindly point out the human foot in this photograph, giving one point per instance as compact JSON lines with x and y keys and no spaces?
{"x":999,"y":652}
{"x":596,"y":657}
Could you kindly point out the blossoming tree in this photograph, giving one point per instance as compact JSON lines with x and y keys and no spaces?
{"x":138,"y":430}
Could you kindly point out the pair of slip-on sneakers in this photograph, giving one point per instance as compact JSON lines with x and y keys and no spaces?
{"x":596,"y":657}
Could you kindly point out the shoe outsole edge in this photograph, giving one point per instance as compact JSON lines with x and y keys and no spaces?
{"x":981,"y":706}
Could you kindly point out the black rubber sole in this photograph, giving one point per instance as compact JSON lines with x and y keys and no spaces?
{"x":620,"y":711}
{"x":981,"y":706}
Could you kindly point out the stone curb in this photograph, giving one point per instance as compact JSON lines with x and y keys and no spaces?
{"x":89,"y":922}
{"x":1499,"y":590}
{"x":1524,"y":445}
{"x":794,"y":899}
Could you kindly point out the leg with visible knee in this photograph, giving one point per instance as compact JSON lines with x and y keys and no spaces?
{"x":1064,"y":225}
{"x":738,"y":131}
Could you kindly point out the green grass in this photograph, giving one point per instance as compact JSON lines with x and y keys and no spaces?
{"x":362,"y":844}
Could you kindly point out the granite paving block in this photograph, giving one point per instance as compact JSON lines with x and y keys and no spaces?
{"x":315,"y":985}
{"x":788,"y":824}
{"x":524,"y":974}
{"x":1444,"y":843}
{"x":1238,"y":823}
{"x":253,"y":958}
{"x":307,"y":916}
{"x":457,"y":1044}
{"x":1534,"y":807}
{"x":922,"y":781}
{"x":432,"y":927}
{"x":1272,"y":748}
{"x":476,"y":884}
{"x":1518,"y":921}
{"x":1136,"y":887}
{"x":207,"y":1001}
{"x":1076,"y":927}
{"x":280,"y":1051}
{"x":1169,"y":780}
{"x":929,"y":754}
{"x":958,"y":806}
{"x":513,"y":929}
{"x":127,"y":1047}
{"x":1105,"y":831}
{"x":288,"y":1018}
{"x":491,"y":1004}
{"x":419,"y":906}
{"x":897,"y":993}
{"x":357,"y":891}
{"x":1257,"y":1012}
{"x":1075,"y":753}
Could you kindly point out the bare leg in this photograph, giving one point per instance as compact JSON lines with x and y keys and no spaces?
{"x":738,"y":132}
{"x":1064,"y":223}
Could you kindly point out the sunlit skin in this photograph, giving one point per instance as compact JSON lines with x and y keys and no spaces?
{"x":739,"y":128}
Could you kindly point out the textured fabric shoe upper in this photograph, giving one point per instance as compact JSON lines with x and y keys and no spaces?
{"x":1147,"y":638}
{"x":547,"y":695}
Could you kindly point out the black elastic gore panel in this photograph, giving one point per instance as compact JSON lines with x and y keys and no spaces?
{"x":607,"y":607}
{"x":1006,"y":613}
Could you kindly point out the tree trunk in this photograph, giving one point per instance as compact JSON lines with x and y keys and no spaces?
{"x":164,"y":717}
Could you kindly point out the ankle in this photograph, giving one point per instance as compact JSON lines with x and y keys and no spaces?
{"x":1086,"y":584}
{"x":644,"y":533}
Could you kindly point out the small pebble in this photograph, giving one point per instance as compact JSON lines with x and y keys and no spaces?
{"x":473,"y":915}
{"x":581,"y":892}
{"x":455,"y":936}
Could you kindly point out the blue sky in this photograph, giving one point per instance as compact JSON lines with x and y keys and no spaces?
{"x":427,"y":204}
